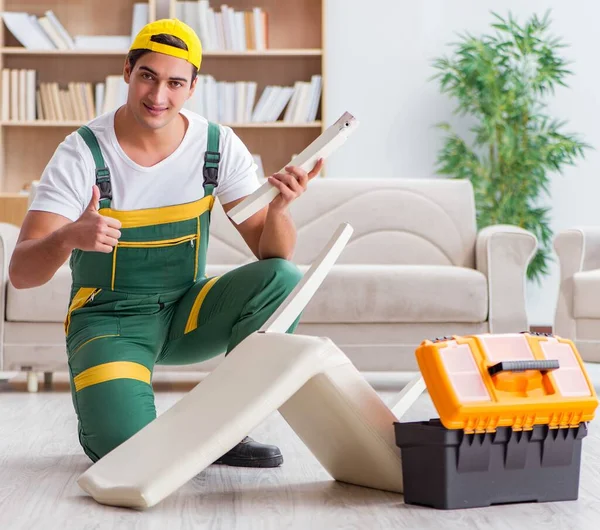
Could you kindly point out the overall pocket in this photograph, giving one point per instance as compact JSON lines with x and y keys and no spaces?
{"x":151,"y":266}
{"x":77,"y":340}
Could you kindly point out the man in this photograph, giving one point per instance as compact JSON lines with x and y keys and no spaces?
{"x":128,"y":199}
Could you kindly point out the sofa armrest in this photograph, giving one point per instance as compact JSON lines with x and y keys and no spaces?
{"x":8,"y":240}
{"x":577,"y":249}
{"x":503,"y":253}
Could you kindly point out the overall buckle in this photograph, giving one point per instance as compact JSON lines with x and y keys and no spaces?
{"x":103,"y":183}
{"x":211,"y":168}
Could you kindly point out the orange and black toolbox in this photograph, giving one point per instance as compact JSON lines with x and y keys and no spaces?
{"x":513,"y":413}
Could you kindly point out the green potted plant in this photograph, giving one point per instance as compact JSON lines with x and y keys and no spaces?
{"x":502,"y":81}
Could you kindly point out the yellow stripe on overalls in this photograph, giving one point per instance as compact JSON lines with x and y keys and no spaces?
{"x":163,"y":215}
{"x":192,"y":322}
{"x":110,"y":371}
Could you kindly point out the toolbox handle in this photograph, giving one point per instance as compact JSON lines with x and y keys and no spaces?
{"x":521,"y":366}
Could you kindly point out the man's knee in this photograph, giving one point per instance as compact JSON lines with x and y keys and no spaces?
{"x":100,"y":443}
{"x":110,"y":416}
{"x":285,"y":273}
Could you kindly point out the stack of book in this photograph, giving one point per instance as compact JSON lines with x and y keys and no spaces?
{"x":300,"y":102}
{"x":48,"y":33}
{"x":221,"y":101}
{"x":224,"y":28}
{"x":73,"y":103}
{"x":235,"y":102}
{"x":24,"y":99}
{"x":19,"y":94}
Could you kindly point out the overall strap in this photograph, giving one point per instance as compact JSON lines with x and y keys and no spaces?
{"x":211,"y":159}
{"x":102,"y":171}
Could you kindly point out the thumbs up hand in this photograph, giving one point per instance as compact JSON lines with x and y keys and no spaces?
{"x":93,"y":205}
{"x":94,"y":232}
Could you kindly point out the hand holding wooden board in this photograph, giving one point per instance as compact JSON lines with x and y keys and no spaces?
{"x":322,"y":147}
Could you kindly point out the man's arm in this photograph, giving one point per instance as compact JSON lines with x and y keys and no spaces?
{"x":271,"y":233}
{"x":46,"y":241}
{"x":267,"y":234}
{"x":41,"y":249}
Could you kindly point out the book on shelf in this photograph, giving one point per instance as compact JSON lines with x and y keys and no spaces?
{"x":24,"y":98}
{"x":48,"y":33}
{"x":223,"y":28}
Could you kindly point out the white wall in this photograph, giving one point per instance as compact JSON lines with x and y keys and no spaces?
{"x":378,"y":61}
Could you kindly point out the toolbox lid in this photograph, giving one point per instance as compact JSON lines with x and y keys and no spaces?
{"x":480,"y":382}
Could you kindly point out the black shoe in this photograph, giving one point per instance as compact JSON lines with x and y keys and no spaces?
{"x":249,"y":453}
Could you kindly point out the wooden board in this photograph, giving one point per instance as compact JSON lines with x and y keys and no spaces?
{"x":281,"y":320}
{"x":321,"y":147}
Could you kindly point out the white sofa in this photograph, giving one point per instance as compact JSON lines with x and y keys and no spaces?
{"x":415,"y":268}
{"x":577,"y":315}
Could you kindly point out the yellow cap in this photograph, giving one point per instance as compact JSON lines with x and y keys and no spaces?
{"x":176,"y":28}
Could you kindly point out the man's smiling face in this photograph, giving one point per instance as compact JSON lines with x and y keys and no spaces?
{"x":159,"y":86}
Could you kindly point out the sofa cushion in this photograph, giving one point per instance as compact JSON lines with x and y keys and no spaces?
{"x":46,"y":303}
{"x":350,"y":293}
{"x":406,"y":293}
{"x":586,"y":293}
{"x":395,"y":293}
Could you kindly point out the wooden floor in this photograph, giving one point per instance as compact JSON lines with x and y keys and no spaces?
{"x":40,"y":461}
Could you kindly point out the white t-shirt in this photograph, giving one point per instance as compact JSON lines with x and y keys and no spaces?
{"x":65,"y":187}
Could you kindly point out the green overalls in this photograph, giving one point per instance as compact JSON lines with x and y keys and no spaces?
{"x":150,"y":302}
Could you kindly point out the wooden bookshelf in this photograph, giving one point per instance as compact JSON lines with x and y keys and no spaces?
{"x":295,"y":53}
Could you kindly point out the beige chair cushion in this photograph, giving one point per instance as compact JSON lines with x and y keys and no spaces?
{"x":324,"y":399}
{"x":47,"y":303}
{"x":389,"y":293}
{"x":586,"y":294}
